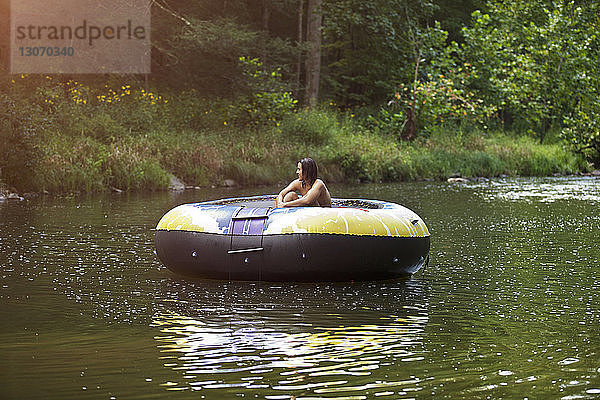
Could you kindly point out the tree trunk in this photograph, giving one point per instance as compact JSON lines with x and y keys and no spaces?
{"x":313,"y":59}
{"x":299,"y":43}
{"x":409,"y":132}
{"x":266,"y":14}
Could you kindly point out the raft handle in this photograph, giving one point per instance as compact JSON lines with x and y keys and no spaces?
{"x":250,"y":216}
{"x":245,"y":250}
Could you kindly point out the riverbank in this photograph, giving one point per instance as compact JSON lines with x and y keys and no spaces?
{"x":158,"y":160}
{"x":69,"y":138}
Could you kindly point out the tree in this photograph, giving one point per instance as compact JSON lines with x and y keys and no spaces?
{"x":581,"y":124}
{"x":199,"y":44}
{"x":367,"y":47}
{"x":535,"y":59}
{"x":299,"y":37}
{"x":355,"y":51}
{"x":313,"y":59}
{"x":455,"y":14}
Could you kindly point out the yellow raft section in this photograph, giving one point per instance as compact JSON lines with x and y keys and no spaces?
{"x":393,"y":220}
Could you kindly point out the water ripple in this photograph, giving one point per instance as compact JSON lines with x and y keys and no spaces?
{"x":509,"y":305}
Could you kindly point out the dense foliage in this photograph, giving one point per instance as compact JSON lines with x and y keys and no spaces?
{"x":391,"y":72}
{"x":537,"y":61}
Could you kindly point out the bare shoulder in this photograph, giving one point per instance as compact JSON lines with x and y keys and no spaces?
{"x":295,"y":184}
{"x":324,"y":196}
{"x":320,"y":183}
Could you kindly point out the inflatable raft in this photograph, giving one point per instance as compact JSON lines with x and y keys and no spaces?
{"x":249,"y":239}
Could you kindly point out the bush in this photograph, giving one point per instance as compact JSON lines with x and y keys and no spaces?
{"x":268,"y":99}
{"x":71,"y":164}
{"x":21,"y":125}
{"x":68,"y":136}
{"x":128,"y":169}
{"x":311,"y":127}
{"x":100,"y":126}
{"x":582,"y":131}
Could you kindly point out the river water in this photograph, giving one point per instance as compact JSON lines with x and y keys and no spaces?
{"x":509,"y":306}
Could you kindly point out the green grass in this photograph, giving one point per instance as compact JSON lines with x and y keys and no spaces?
{"x":56,"y":142}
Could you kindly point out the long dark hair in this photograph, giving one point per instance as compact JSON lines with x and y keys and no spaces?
{"x":309,"y":171}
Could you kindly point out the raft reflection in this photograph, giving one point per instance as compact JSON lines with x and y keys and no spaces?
{"x":277,"y":349}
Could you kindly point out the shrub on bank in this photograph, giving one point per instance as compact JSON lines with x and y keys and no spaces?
{"x":84,"y":164}
{"x":67,"y":136}
{"x":366,"y":156}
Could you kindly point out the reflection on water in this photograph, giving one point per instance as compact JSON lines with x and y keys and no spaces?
{"x":543,"y":190}
{"x":295,"y":340}
{"x":509,"y":306}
